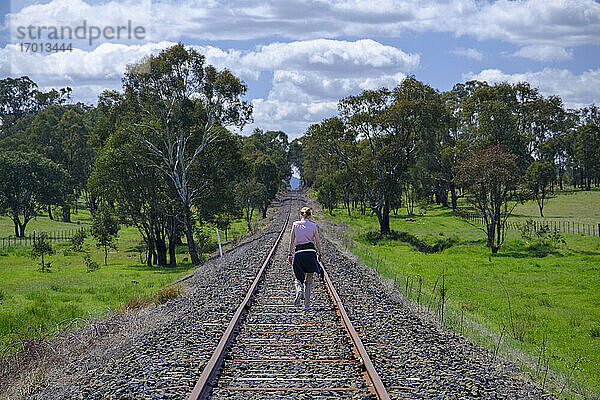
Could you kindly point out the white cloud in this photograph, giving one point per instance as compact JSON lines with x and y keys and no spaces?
{"x":87,"y":72}
{"x":473,"y":54}
{"x":565,"y":23}
{"x":576,"y":91}
{"x":544,"y":53}
{"x":309,"y":77}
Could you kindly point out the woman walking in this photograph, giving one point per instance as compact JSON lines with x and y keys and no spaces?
{"x":304,"y":255}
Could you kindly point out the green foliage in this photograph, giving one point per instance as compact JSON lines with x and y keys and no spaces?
{"x":490,"y":178}
{"x":42,"y":247}
{"x":539,"y":176}
{"x":29,"y":183}
{"x":90,"y":264}
{"x":105,"y":229}
{"x":78,"y":239}
{"x":328,"y":193}
{"x":374,"y":237}
{"x":554,"y":295}
{"x":203,"y":239}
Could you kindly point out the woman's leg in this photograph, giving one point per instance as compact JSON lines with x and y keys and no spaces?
{"x":308,"y":285}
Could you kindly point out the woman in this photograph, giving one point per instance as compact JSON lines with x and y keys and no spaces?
{"x":305,"y":251}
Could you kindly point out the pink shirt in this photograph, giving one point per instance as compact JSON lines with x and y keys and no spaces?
{"x":304,"y":231}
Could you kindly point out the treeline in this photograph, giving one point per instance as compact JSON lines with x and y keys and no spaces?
{"x":494,"y":144}
{"x":158,"y":155}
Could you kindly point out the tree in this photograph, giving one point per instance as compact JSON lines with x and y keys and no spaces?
{"x":105,"y":229}
{"x":490,"y":178}
{"x":181,"y":103}
{"x":124,"y":177}
{"x":42,"y":247}
{"x":538,"y":178}
{"x":587,"y":152}
{"x":29,"y":183}
{"x":249,"y":195}
{"x":393,"y":129}
{"x":327,"y":193}
{"x":20,"y":97}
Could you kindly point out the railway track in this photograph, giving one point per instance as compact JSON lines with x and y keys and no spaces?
{"x":274,"y":349}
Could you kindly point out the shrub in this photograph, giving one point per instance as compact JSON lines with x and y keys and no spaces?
{"x":90,"y":264}
{"x":136,"y":302}
{"x":78,"y":239}
{"x":203,"y":242}
{"x":167,"y":293}
{"x":440,"y":244}
{"x":42,"y":247}
{"x":595,"y":331}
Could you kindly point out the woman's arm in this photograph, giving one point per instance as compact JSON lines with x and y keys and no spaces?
{"x":318,"y":243}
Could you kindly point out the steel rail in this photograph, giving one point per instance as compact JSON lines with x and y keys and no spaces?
{"x":371,"y":375}
{"x":202,"y":388}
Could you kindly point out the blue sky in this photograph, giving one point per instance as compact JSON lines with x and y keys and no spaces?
{"x":299,"y":57}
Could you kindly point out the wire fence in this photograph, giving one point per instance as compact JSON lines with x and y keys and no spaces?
{"x":56,"y":236}
{"x":576,"y":228}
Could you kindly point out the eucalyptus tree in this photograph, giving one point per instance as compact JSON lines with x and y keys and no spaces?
{"x":181,"y":102}
{"x":267,"y":156}
{"x":20,"y":97}
{"x":490,"y":177}
{"x":538,"y":178}
{"x":29,"y":183}
{"x":587,"y":153}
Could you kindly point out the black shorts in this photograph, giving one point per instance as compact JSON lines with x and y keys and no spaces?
{"x":305,"y":260}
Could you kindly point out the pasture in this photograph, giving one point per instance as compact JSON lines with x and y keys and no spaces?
{"x":543,"y":300}
{"x":36,"y":303}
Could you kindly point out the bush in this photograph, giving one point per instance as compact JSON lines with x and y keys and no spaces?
{"x":78,"y":239}
{"x":90,"y":264}
{"x":42,"y":247}
{"x":136,"y":302}
{"x":167,"y":293}
{"x":203,"y":242}
{"x":595,"y":331}
{"x":440,"y":244}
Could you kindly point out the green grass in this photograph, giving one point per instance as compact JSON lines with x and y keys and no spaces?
{"x":572,"y":205}
{"x":42,"y":223}
{"x":34,"y":302}
{"x":556,"y":296}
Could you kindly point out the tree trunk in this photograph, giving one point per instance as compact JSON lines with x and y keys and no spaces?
{"x":264,"y":211}
{"x":16,"y":227}
{"x":454,"y":197}
{"x":66,"y":213}
{"x":22,"y":229}
{"x":189,"y":235}
{"x":161,"y":252}
{"x":105,"y":253}
{"x":50,"y":213}
{"x":172,"y":256}
{"x":383,"y":216}
{"x":444,"y":195}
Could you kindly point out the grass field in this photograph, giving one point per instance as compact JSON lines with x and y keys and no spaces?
{"x":570,"y":204}
{"x":554,"y":298}
{"x":34,"y":302}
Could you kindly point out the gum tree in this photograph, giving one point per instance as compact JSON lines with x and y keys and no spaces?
{"x":489,"y":177}
{"x":182,"y":102}
{"x":538,"y":178}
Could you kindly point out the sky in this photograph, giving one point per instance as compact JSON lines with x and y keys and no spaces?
{"x":300,"y":57}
